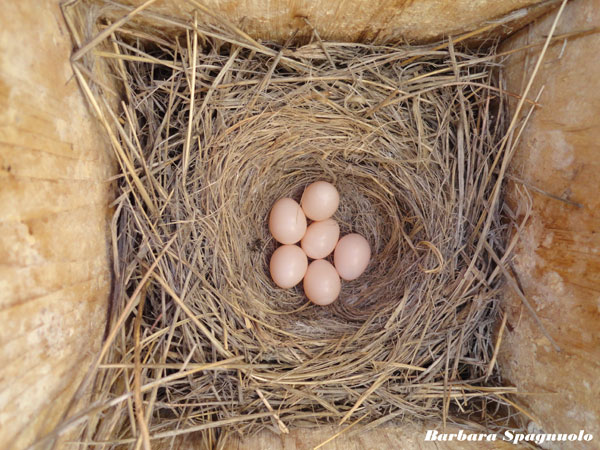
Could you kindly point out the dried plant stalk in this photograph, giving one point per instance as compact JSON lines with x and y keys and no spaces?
{"x":215,"y":128}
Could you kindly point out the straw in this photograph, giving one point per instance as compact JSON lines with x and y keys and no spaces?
{"x":216,"y":128}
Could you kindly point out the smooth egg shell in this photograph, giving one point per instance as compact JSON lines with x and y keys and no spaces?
{"x":320,"y":200}
{"x":351,"y":256}
{"x":287,"y":222}
{"x":320,"y":238}
{"x":322,"y":284}
{"x":288,"y":266}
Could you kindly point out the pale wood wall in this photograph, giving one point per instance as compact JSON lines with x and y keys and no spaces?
{"x":54,"y":195}
{"x":359,"y":20}
{"x":558,"y":261}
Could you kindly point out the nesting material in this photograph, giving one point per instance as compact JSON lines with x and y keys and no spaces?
{"x":212,"y":129}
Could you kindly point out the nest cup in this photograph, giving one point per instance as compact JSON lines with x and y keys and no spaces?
{"x":381,"y":208}
{"x":408,"y":135}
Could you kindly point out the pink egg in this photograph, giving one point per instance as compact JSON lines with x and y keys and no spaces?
{"x":322,"y":283}
{"x":287,"y":222}
{"x":288,"y":266}
{"x":320,"y":200}
{"x":351,"y":256}
{"x":320,"y":238}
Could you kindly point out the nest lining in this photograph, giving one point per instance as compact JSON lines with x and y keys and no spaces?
{"x":210,"y":130}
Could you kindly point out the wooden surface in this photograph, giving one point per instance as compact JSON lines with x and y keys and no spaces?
{"x":357,"y":20}
{"x":400,"y":436}
{"x":406,"y":436}
{"x":54,"y":278}
{"x":558,"y":261}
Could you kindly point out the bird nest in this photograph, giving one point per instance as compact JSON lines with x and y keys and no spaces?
{"x":209,"y":128}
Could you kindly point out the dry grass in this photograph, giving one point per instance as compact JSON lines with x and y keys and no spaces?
{"x":209,"y":129}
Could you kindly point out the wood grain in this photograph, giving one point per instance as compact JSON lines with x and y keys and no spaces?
{"x":54,"y":195}
{"x":357,"y":20}
{"x":406,"y":436}
{"x":558,"y":259}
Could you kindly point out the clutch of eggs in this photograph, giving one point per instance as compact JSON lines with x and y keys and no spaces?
{"x":289,"y":263}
